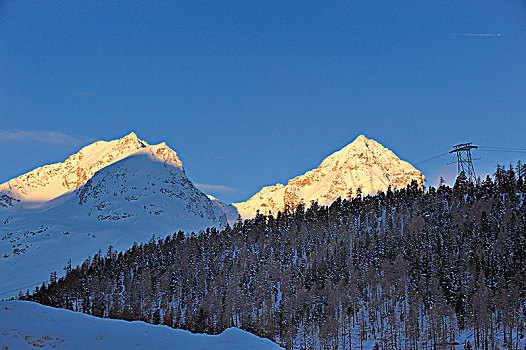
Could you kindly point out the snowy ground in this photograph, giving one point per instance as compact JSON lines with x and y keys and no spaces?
{"x":26,"y":325}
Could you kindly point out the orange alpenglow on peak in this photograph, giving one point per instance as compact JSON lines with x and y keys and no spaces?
{"x":51,"y":181}
{"x":364,"y":164}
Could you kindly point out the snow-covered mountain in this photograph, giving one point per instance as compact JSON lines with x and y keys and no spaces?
{"x":364,"y":164}
{"x":143,"y":194}
{"x":50,"y":181}
{"x":143,"y":184}
{"x":26,"y":325}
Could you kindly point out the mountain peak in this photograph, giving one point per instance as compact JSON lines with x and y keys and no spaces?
{"x":361,"y":138}
{"x":362,"y":142}
{"x":131,"y":141}
{"x":123,"y":200}
{"x":131,"y":135}
{"x":166,"y":154}
{"x":364,"y":164}
{"x":51,"y":181}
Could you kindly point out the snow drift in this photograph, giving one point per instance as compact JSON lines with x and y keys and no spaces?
{"x":26,"y":325}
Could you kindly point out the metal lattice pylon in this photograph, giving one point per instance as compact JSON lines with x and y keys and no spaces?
{"x":464,"y":160}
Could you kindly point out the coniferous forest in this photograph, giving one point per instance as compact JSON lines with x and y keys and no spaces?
{"x":405,"y":269}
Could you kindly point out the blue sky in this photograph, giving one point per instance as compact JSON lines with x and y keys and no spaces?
{"x":254,"y":93}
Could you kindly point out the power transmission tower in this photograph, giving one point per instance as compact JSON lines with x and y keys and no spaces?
{"x":464,"y":160}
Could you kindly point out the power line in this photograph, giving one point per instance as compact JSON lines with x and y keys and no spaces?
{"x":504,"y":148}
{"x":21,"y":288}
{"x":435,"y":157}
{"x":481,"y":148}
